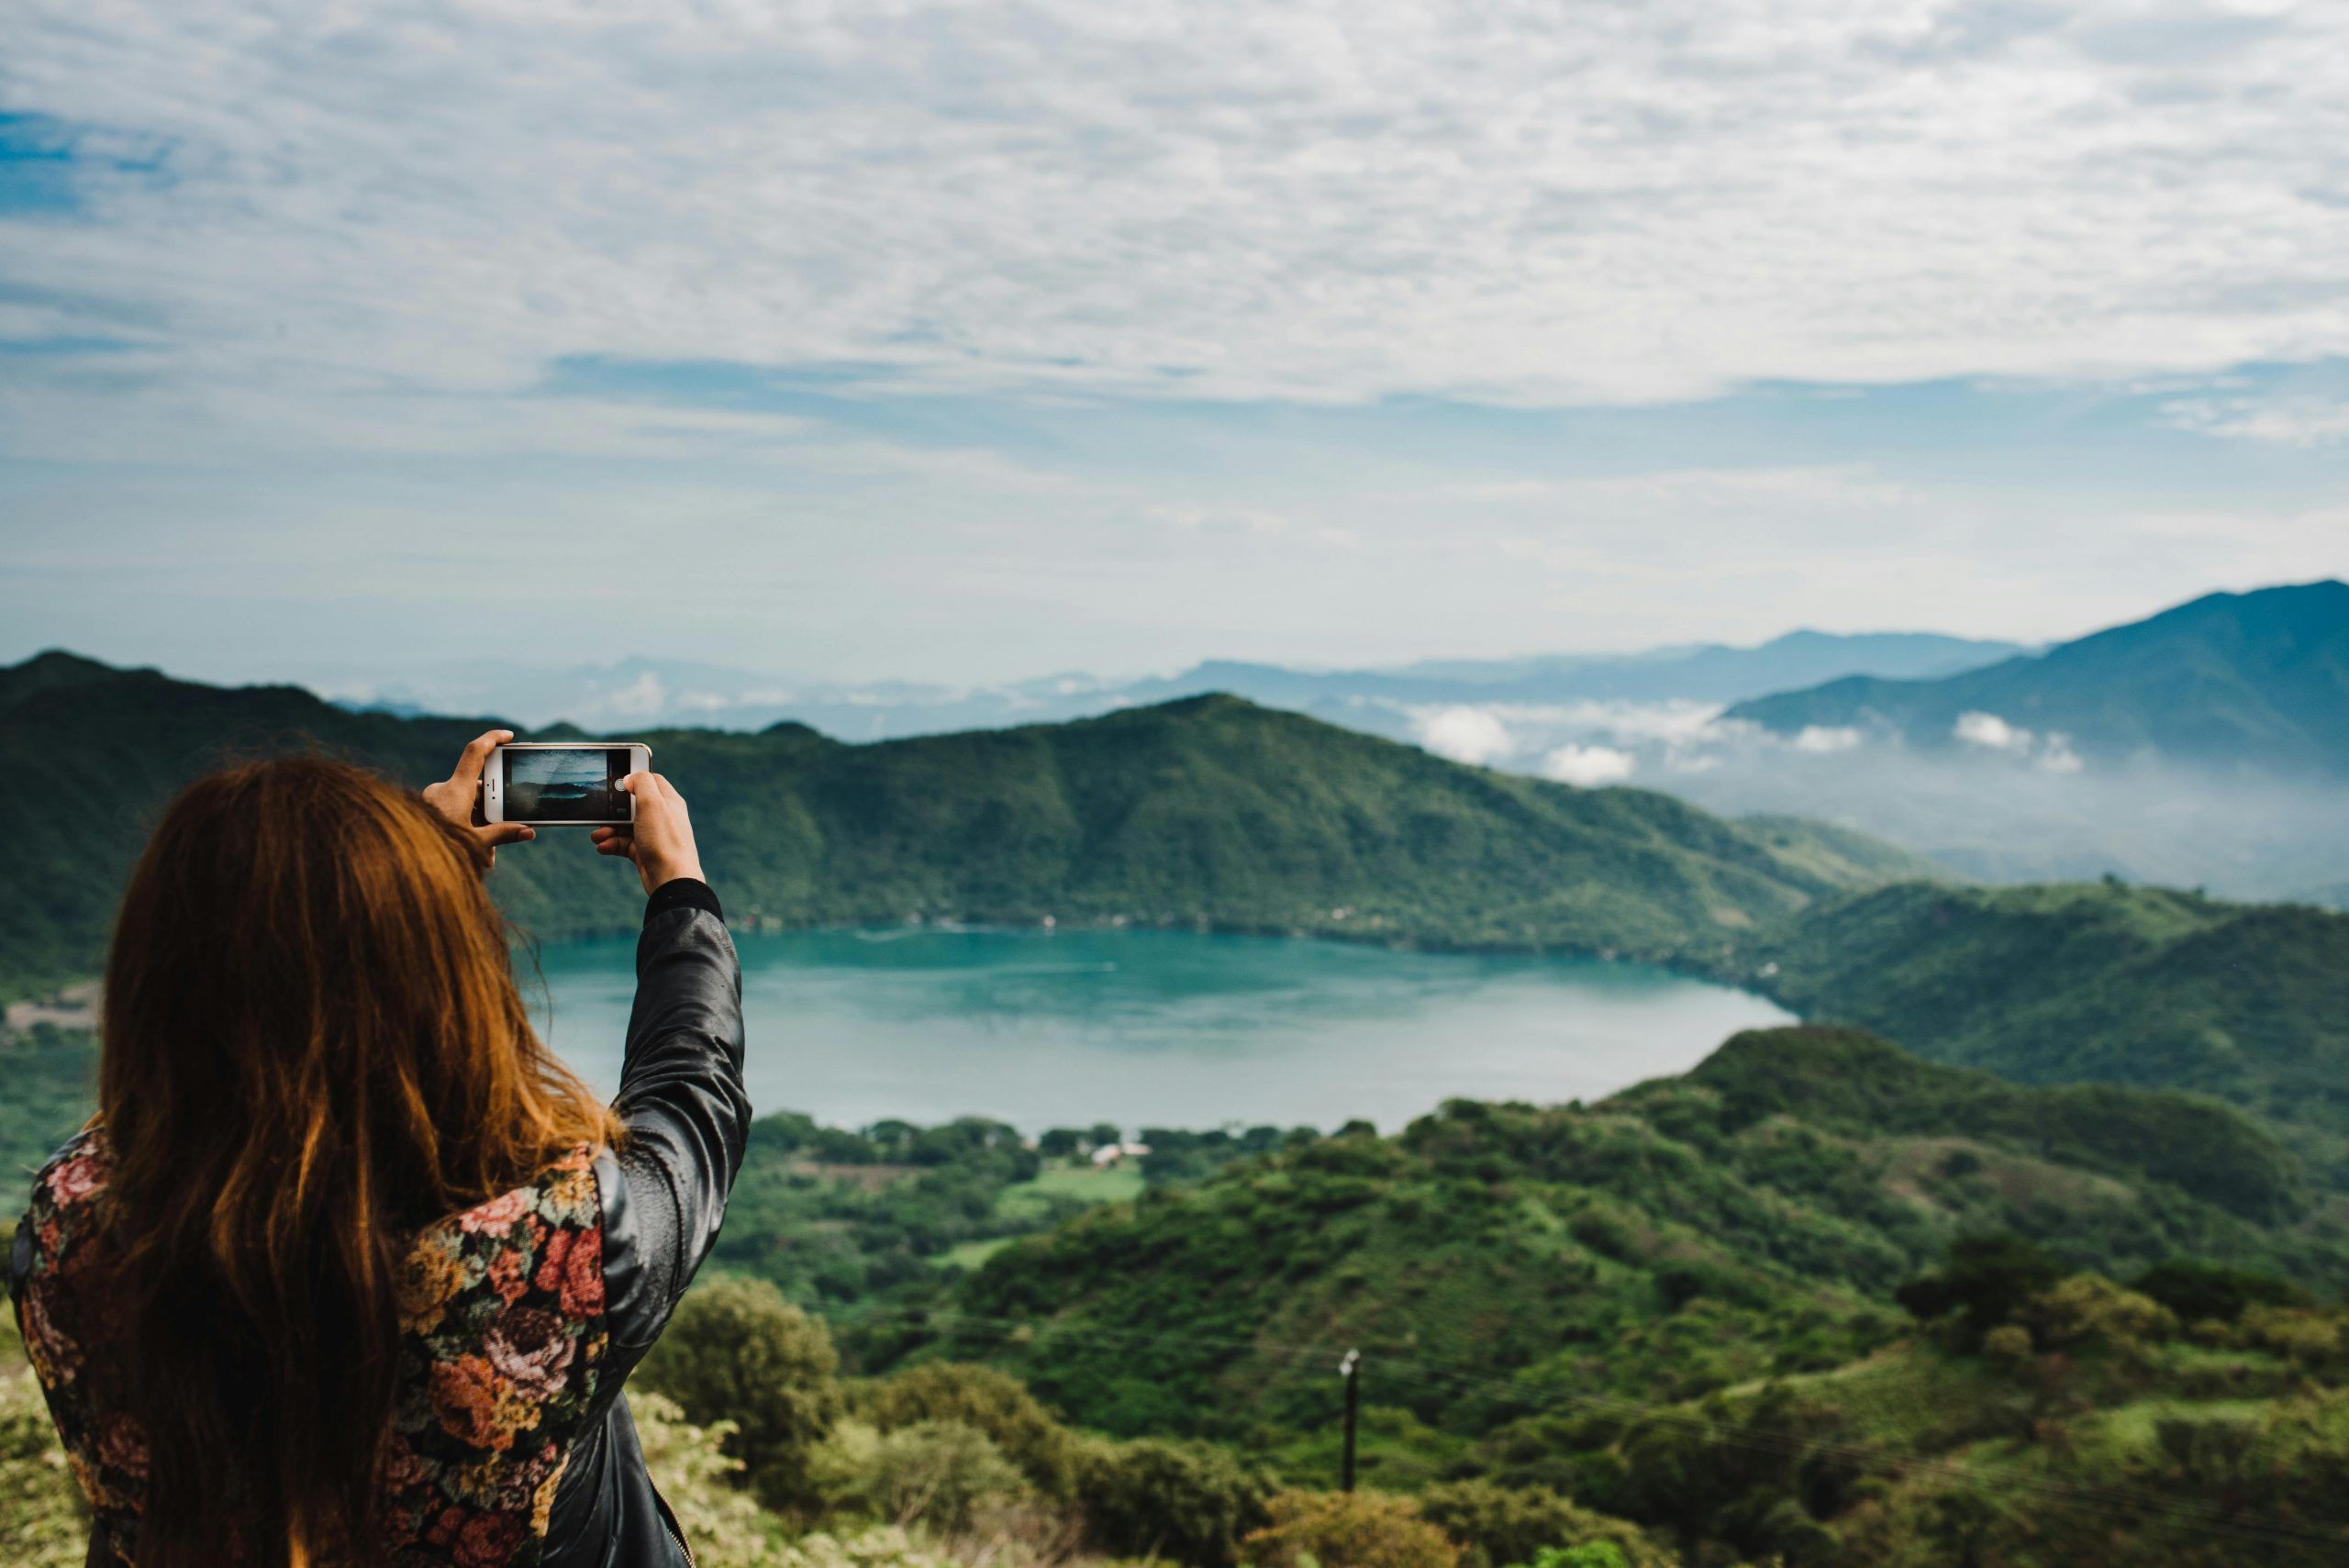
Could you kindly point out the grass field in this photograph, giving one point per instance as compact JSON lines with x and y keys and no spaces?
{"x":971,"y":1254}
{"x":1083,"y":1183}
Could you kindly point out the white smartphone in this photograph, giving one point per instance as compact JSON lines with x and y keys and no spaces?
{"x":550,"y":784}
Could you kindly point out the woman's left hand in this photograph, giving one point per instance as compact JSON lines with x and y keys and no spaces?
{"x":452,"y":797}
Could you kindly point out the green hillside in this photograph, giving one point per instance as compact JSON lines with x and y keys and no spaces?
{"x":1207,"y":811}
{"x":2257,"y":680}
{"x":1750,"y":1218}
{"x":1844,"y":854}
{"x":1714,"y":1311}
{"x":2094,"y":1426}
{"x":111,"y":746}
{"x":1678,"y":1308}
{"x":2088,"y":983}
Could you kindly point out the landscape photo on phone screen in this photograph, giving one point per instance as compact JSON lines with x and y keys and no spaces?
{"x":566,"y":784}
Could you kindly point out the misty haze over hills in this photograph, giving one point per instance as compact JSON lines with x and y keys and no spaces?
{"x":2203,"y":746}
{"x":2255,"y":682}
{"x":657,"y":692}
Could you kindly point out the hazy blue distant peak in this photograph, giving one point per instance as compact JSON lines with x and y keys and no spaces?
{"x":1713,"y":673}
{"x":641,"y":690}
{"x":1907,"y":653}
{"x":1922,"y":645}
{"x":2254,"y":681}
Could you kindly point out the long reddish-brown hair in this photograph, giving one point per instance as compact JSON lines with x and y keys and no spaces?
{"x":313,"y":1046}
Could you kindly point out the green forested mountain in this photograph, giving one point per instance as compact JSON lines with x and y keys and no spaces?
{"x":1678,"y":1307}
{"x":110,"y":746}
{"x":1204,"y":811}
{"x":1749,"y":1217}
{"x":2088,"y":983}
{"x":1213,"y":811}
{"x":2257,"y":680}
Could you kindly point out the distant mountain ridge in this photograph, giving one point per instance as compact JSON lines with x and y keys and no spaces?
{"x":1212,"y":812}
{"x":1207,"y":811}
{"x":668,"y":692}
{"x":1700,"y":672}
{"x":2228,"y":681}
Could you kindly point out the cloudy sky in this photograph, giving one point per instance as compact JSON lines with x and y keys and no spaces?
{"x":978,"y":340}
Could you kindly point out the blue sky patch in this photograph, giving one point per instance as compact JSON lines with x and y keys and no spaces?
{"x":47,"y":164}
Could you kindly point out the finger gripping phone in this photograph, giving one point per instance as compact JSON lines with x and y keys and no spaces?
{"x":562,"y":786}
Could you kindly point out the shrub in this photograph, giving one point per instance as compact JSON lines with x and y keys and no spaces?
{"x":690,"y":1466}
{"x":1771,"y":1526}
{"x":1347,"y":1529}
{"x":1605,"y":1232}
{"x":2007,"y":1345}
{"x":2198,"y":1292}
{"x":985,"y":1400}
{"x":939,"y":1473}
{"x":1498,"y":1527}
{"x":1185,"y":1501}
{"x":737,"y":1351}
{"x":882,"y":1547}
{"x":2214,"y":1453}
{"x":43,"y":1520}
{"x":2307,"y":1338}
{"x":1985,"y":1279}
{"x":2090,"y":1307}
{"x":1590,"y":1554}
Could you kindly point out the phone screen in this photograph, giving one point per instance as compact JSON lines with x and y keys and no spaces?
{"x":565,"y":783}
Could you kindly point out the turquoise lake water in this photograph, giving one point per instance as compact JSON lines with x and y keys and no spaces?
{"x":1160,"y":1028}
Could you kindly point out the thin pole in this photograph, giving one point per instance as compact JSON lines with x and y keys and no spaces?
{"x":1349,"y":1369}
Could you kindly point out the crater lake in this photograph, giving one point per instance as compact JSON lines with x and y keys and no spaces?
{"x":1165,"y":1028}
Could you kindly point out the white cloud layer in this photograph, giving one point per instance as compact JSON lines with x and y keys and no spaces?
{"x":1991,"y":732}
{"x":280,"y":383}
{"x":1648,"y":199}
{"x":1463,"y":734}
{"x":1827,"y":739}
{"x":2276,"y":421}
{"x":1589,"y":767}
{"x":2053,"y":751}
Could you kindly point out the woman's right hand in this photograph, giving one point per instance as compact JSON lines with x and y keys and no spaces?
{"x":661,"y":840}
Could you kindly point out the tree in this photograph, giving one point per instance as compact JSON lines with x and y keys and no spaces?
{"x":1189,"y":1502}
{"x":689,"y":1465}
{"x":2199,"y":1292}
{"x":1985,"y":1279}
{"x":2090,"y":1307}
{"x":987,"y":1401}
{"x":737,"y":1351}
{"x":1347,"y":1529}
{"x":1502,"y":1527}
{"x":939,"y":1473}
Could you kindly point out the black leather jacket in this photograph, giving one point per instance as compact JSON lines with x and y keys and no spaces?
{"x":664,"y":1194}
